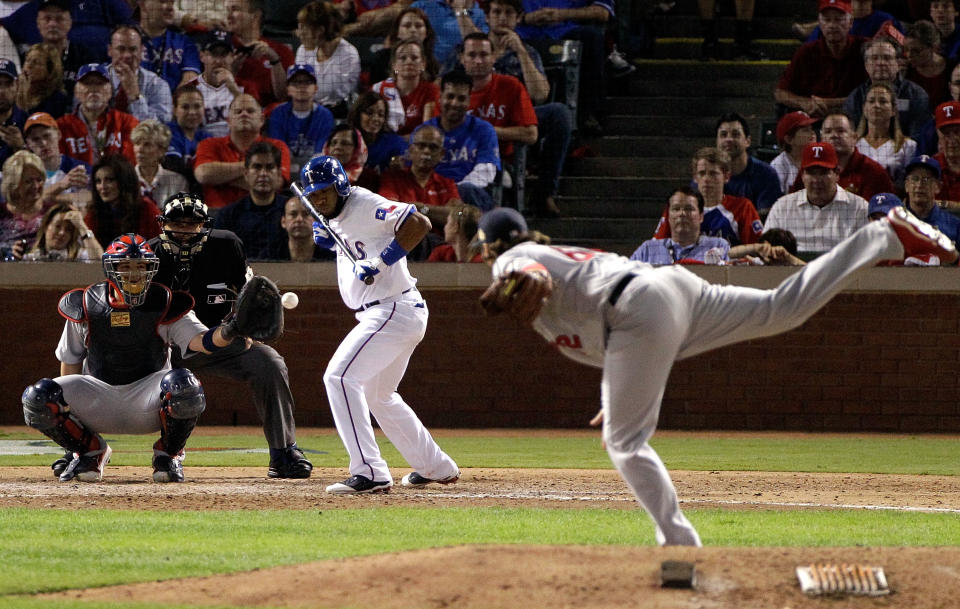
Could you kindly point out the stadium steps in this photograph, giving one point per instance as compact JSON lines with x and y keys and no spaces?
{"x":612,"y":195}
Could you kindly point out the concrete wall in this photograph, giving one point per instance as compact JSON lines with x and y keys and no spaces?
{"x":883,"y":356}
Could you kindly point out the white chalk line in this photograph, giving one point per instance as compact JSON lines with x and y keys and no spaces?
{"x":790,"y":504}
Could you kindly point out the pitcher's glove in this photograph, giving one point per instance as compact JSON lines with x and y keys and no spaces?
{"x":521,"y":294}
{"x":257,"y":312}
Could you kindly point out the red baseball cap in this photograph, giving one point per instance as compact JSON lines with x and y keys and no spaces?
{"x":792,"y":121}
{"x":948,"y":113}
{"x":840,"y":5}
{"x":819,"y":154}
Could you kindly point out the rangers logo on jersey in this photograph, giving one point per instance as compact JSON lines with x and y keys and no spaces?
{"x":382,"y":212}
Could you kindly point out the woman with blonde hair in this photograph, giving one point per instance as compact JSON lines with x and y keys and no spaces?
{"x":880,"y":136}
{"x":40,"y":86}
{"x":22,"y":210}
{"x":150,"y":141}
{"x":459,"y":234}
{"x":63,"y":235}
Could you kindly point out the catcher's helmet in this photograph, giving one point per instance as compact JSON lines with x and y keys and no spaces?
{"x":184,"y":207}
{"x":131,"y":282}
{"x":503,"y":223}
{"x":323,"y":171}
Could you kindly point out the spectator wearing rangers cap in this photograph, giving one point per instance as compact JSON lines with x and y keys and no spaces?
{"x":947,"y":117}
{"x":794,"y":131}
{"x":922,"y":184}
{"x":821,"y":214}
{"x":95,"y":129}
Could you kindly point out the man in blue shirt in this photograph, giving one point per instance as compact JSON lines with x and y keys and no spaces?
{"x":583,"y":20}
{"x":256,"y":217}
{"x":749,"y":176}
{"x":685,"y":244}
{"x":168,"y":53}
{"x":300,"y":123}
{"x":922,"y":182}
{"x":53,"y":22}
{"x":471,"y":153}
{"x":451,"y":21}
{"x":93,"y":20}
{"x":12,"y":118}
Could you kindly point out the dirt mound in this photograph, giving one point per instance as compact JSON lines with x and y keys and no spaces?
{"x":558,"y":577}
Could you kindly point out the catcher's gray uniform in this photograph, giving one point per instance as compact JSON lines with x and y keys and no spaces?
{"x":634,"y":320}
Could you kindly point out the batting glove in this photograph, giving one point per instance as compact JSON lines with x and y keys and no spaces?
{"x":367,"y":268}
{"x":321,"y":237}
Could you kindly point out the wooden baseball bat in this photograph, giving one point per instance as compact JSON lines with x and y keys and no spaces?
{"x":341,"y":244}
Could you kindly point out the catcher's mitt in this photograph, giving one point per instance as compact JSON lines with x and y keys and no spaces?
{"x":521,"y":294}
{"x":257,"y":313}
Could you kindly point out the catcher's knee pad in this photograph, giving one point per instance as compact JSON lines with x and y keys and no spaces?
{"x":182,"y":394}
{"x":43,"y":404}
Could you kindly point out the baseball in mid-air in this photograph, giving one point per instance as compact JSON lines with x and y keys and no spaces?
{"x":289,"y":300}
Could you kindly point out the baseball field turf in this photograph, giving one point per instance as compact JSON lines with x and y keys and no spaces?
{"x":539,"y":515}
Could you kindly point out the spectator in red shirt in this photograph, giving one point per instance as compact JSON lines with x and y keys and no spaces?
{"x":859,"y":174}
{"x":411,"y":98}
{"x":219,"y":166}
{"x":948,"y":130}
{"x":94,"y":129}
{"x":419,"y":183}
{"x":266,"y":60}
{"x":823,"y":72}
{"x":500,"y":100}
{"x":117,"y":206}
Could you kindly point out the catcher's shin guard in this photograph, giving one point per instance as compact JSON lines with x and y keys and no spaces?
{"x":45,"y":410}
{"x":183,"y":402}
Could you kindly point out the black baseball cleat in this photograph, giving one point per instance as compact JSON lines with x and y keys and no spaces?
{"x":357,"y":485}
{"x":62,"y":463}
{"x":415,"y":480}
{"x":289,"y":462}
{"x":167,"y":468}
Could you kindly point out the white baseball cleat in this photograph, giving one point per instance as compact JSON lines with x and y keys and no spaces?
{"x":920,"y":238}
{"x":357,"y":485}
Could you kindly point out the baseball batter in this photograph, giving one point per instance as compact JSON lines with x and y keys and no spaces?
{"x":364,"y":373}
{"x":115,"y":374}
{"x":634,"y":321}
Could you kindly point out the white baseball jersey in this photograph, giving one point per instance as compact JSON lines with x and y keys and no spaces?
{"x":216,"y":107}
{"x":368,"y":223}
{"x":572,"y":318}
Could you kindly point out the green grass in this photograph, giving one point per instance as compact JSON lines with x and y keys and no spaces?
{"x":807,"y":453}
{"x":128,"y":546}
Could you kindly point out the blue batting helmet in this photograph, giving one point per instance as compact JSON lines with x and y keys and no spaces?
{"x":323,"y":171}
{"x":131,"y":283}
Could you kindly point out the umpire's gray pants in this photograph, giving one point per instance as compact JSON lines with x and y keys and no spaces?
{"x":265,"y":371}
{"x":669,"y":314}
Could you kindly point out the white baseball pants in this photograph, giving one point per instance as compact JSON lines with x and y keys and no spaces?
{"x":362,"y":379}
{"x":671,"y":314}
{"x":133,"y":408}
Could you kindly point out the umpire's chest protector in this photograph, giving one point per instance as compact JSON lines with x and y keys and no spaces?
{"x":122,"y":343}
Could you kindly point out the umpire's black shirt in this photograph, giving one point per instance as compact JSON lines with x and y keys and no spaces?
{"x":220,"y":261}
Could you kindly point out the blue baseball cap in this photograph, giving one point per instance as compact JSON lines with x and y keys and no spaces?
{"x":9,"y":68}
{"x":92,"y":68}
{"x":301,"y":67}
{"x":924,"y":160}
{"x":882,"y":203}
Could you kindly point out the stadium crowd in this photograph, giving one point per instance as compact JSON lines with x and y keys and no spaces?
{"x":108,"y":107}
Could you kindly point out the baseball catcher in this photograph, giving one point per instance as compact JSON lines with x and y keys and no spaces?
{"x":115,"y":375}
